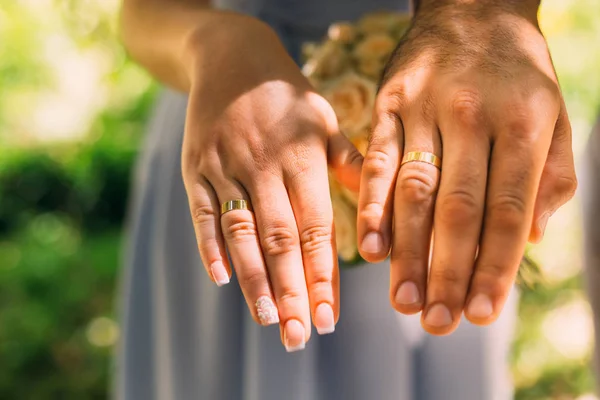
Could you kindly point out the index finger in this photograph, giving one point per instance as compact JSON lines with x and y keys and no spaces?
{"x":377,"y":183}
{"x":280,"y":244}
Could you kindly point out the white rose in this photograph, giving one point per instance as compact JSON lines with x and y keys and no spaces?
{"x":377,"y":46}
{"x":327,"y":61}
{"x":343,"y":32}
{"x":308,"y":49}
{"x":352,"y":98}
{"x":372,"y":68}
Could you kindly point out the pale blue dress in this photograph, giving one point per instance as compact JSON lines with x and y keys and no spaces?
{"x":184,"y":338}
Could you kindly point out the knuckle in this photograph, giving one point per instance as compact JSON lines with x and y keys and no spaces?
{"x":466,"y":107}
{"x":252,"y":278}
{"x":278,"y":240}
{"x":192,"y":159}
{"x":203,"y":214}
{"x":301,"y":168}
{"x":542,"y":93}
{"x":378,"y":162}
{"x":458,"y":208}
{"x":446,"y":276}
{"x":371,"y":211}
{"x":567,"y":185}
{"x":316,"y":237}
{"x":239,"y":230}
{"x":508,"y":211}
{"x":408,"y":254}
{"x":209,"y":161}
{"x":290,"y":298}
{"x":391,"y":98}
{"x":521,"y":126}
{"x":209,"y":251}
{"x":415,"y":184}
{"x":320,"y":284}
{"x":499,"y":273}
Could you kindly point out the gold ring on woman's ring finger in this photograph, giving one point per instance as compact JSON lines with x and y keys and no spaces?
{"x":237,"y":204}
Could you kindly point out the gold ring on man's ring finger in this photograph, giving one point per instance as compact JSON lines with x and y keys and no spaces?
{"x":422,"y":156}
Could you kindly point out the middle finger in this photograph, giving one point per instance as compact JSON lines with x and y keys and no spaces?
{"x":416,"y":188}
{"x":280,"y":244}
{"x":457,"y":221}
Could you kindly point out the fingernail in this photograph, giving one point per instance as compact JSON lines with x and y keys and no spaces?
{"x":407,"y":294}
{"x":293,"y":336}
{"x":372,"y":243}
{"x":267,"y":311}
{"x":542,"y":222}
{"x":480,"y":307}
{"x":219,"y":273}
{"x":438,"y":316}
{"x":324,"y":319}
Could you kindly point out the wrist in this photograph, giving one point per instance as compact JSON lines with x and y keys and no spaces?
{"x":482,"y":9}
{"x":222,"y":35}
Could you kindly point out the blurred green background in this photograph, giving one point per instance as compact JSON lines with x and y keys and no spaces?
{"x":72,"y":113}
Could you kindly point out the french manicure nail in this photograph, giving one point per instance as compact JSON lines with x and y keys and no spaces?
{"x":219,"y":273}
{"x":293,"y":336}
{"x":480,"y":307}
{"x":267,"y":311}
{"x":407,"y":294}
{"x":324,"y":319}
{"x":438,"y":316}
{"x":372,"y":243}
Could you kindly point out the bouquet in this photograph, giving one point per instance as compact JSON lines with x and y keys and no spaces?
{"x":345,"y":68}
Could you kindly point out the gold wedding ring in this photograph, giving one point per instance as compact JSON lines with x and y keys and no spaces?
{"x":238,"y":204}
{"x":422,"y":156}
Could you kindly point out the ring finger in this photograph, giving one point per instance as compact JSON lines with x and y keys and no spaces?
{"x":239,"y":231}
{"x":416,"y":188}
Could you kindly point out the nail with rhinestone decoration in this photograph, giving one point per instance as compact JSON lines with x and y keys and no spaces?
{"x":267,"y":311}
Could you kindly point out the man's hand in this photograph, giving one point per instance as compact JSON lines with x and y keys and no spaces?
{"x":473,"y":83}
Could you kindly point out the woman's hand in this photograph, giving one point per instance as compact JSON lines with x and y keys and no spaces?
{"x":473,"y":83}
{"x":257,"y":131}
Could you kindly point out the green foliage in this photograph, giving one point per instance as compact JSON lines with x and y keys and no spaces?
{"x":89,"y":181}
{"x":53,"y":282}
{"x":62,"y":204}
{"x":574,"y":380}
{"x":61,"y":212}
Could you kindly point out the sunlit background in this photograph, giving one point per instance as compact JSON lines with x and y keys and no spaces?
{"x":72,"y":112}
